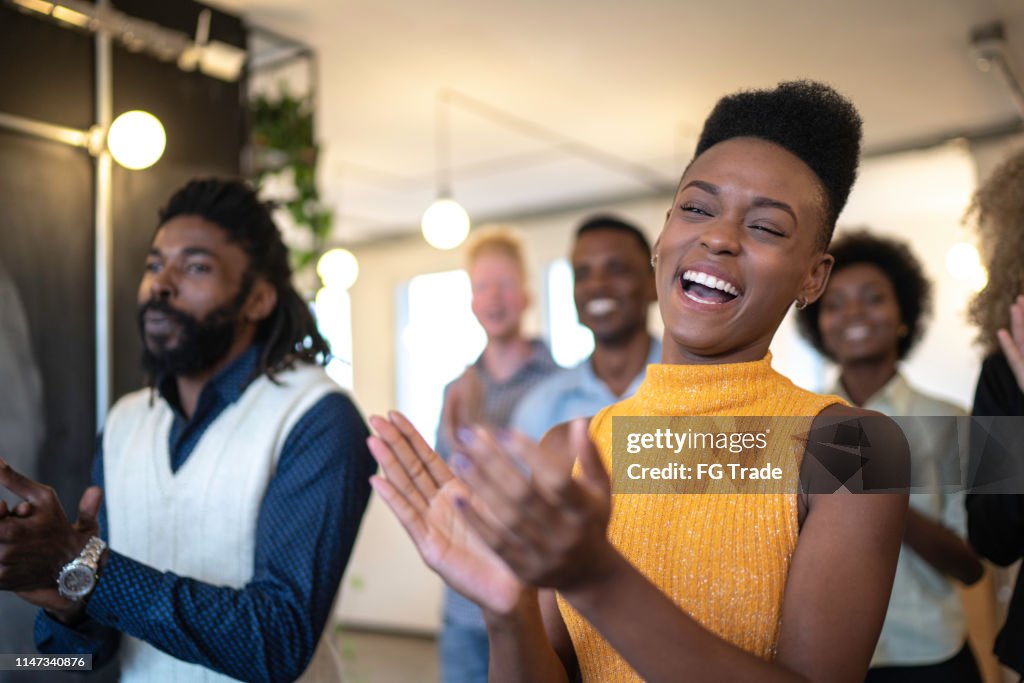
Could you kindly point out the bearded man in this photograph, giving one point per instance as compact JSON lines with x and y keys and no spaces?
{"x":227,"y":495}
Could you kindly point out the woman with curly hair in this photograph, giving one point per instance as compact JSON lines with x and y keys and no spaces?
{"x":869,"y":318}
{"x":996,"y":522}
{"x":580,"y":582}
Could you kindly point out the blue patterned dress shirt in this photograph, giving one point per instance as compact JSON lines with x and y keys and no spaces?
{"x":267,"y":630}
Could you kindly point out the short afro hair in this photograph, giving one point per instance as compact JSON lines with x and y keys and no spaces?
{"x":615,"y":224}
{"x":894,"y":258}
{"x":809,"y":119}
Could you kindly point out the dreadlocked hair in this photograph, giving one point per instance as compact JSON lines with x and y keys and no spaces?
{"x":289,"y":335}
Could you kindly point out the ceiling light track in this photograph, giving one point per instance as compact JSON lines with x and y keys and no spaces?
{"x":989,"y":44}
{"x":212,"y":57}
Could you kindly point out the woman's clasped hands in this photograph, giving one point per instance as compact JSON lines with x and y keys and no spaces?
{"x":511,"y":516}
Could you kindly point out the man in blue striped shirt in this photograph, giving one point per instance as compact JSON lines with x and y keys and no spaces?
{"x":234,"y":486}
{"x":613,"y":288}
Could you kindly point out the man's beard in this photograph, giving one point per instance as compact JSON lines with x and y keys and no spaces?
{"x":200,"y":344}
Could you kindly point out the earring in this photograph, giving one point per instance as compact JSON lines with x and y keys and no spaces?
{"x":654,"y":259}
{"x":801,"y":304}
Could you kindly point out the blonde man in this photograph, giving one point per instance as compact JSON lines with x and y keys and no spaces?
{"x":488,"y":391}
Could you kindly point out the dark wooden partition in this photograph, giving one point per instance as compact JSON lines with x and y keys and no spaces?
{"x":46,"y":210}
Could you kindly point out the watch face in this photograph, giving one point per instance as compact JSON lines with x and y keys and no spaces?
{"x":76,"y":581}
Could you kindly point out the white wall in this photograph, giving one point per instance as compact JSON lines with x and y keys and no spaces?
{"x":988,"y":155}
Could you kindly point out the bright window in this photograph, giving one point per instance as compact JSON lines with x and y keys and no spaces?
{"x":333,"y":310}
{"x":438,"y":336}
{"x":570,"y":341}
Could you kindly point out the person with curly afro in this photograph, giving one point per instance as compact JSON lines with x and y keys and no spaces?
{"x":578,"y":581}
{"x":996,"y":522}
{"x":869,"y":318}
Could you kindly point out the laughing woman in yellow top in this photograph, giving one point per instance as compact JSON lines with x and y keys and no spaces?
{"x":580,"y":584}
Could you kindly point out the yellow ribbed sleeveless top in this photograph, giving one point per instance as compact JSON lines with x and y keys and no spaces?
{"x":722,"y":558}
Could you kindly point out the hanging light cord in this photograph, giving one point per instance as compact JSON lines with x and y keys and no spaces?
{"x":442,"y":140}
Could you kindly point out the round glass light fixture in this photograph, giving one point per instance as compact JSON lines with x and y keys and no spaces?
{"x":338,"y":269}
{"x":136,"y":139}
{"x":964,"y":264}
{"x":445,"y":224}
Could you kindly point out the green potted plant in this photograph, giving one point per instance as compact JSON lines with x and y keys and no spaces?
{"x":282,"y":140}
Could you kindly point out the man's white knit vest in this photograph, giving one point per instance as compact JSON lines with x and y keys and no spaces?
{"x":200,"y":522}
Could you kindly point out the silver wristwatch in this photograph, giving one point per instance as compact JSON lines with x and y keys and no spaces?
{"x":78,"y":577}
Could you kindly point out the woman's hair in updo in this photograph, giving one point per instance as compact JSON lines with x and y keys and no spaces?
{"x":810,"y":119}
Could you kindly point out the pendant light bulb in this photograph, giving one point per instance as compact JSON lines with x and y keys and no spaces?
{"x":136,"y":139}
{"x":445,"y":224}
{"x":338,"y":269}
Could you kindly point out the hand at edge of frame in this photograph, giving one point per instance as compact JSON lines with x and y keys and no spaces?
{"x":1012,"y":341}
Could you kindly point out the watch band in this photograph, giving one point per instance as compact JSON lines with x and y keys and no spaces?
{"x":91,"y":553}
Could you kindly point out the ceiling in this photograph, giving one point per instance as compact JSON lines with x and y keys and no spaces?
{"x":628,"y":83}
